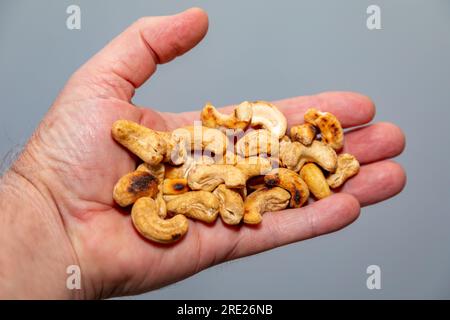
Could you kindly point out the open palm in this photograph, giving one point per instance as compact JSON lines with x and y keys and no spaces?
{"x":82,"y":164}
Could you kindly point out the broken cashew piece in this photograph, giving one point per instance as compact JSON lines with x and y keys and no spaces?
{"x":150,"y":225}
{"x":231,"y":204}
{"x":239,"y":119}
{"x":257,"y":142}
{"x":264,"y":200}
{"x":304,"y":133}
{"x":199,"y":205}
{"x":315,"y":180}
{"x":268,"y":116}
{"x":347,"y":167}
{"x":290,"y":181}
{"x":135,"y":185}
{"x":175,"y":186}
{"x":208,"y":177}
{"x":329,"y":126}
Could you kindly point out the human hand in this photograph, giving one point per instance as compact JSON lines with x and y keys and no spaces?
{"x":57,"y":197}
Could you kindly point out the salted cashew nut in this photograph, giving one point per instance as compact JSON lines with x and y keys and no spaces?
{"x":304,"y":133}
{"x":175,"y":186}
{"x":208,"y":177}
{"x":267,"y":116}
{"x":231,"y":204}
{"x":347,"y":167}
{"x":135,"y":185}
{"x":294,"y":155}
{"x":147,"y":221}
{"x":257,"y":142}
{"x":199,"y":205}
{"x":264,"y":200}
{"x":315,"y":180}
{"x":254,"y":166}
{"x":146,"y":143}
{"x":329,"y":126}
{"x":239,"y":119}
{"x":198,"y":137}
{"x":290,"y":181}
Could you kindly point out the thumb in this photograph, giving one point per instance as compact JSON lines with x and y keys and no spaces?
{"x":131,"y":58}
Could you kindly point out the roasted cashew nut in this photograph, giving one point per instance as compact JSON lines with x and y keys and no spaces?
{"x":231,"y":204}
{"x":267,"y":116}
{"x":239,"y":119}
{"x":329,"y":126}
{"x":208,"y":177}
{"x":199,"y":205}
{"x":135,"y":185}
{"x":254,"y":166}
{"x":180,"y":172}
{"x":157,"y":170}
{"x":175,"y":186}
{"x":147,"y":221}
{"x":304,"y":133}
{"x":198,"y":137}
{"x":290,"y":181}
{"x":347,"y":167}
{"x":264,"y":200}
{"x":315,"y":180}
{"x":257,"y":142}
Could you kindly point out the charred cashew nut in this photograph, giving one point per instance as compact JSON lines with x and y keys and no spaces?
{"x":239,"y":119}
{"x":149,"y":224}
{"x":157,"y":170}
{"x":202,"y":138}
{"x":231,"y":204}
{"x":268,"y":116}
{"x":304,"y":133}
{"x":329,"y":126}
{"x":208,"y":177}
{"x":264,"y":200}
{"x":294,"y":155}
{"x":180,"y":172}
{"x":347,"y":167}
{"x":254,"y":166}
{"x":257,"y":142}
{"x":290,"y":181}
{"x":315,"y":180}
{"x":200,"y":205}
{"x":146,"y":143}
{"x":256,"y":183}
{"x":135,"y":185}
{"x":175,"y":186}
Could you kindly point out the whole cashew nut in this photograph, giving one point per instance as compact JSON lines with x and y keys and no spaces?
{"x":157,"y":170}
{"x":180,"y":172}
{"x":231,"y":205}
{"x":257,"y":142}
{"x":147,"y":221}
{"x":329,"y":126}
{"x":254,"y":166}
{"x":347,"y":167}
{"x":264,"y":200}
{"x":198,"y":137}
{"x":208,"y":177}
{"x":315,"y":180}
{"x":135,"y":185}
{"x":267,"y":116}
{"x":199,"y":205}
{"x":239,"y":119}
{"x":290,"y":181}
{"x":304,"y":133}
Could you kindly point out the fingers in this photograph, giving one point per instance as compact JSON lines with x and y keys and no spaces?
{"x":352,"y":109}
{"x":131,"y":58}
{"x":376,"y":182}
{"x":375,"y":142}
{"x":280,"y":228}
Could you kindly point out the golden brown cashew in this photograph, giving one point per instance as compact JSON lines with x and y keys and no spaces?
{"x":146,"y":143}
{"x":329,"y":126}
{"x":264,"y":200}
{"x":156,"y":170}
{"x":239,"y":119}
{"x":175,"y":186}
{"x":290,"y":181}
{"x":208,"y":177}
{"x":294,"y":155}
{"x":231,"y":204}
{"x":149,"y":224}
{"x":202,"y":138}
{"x":347,"y":167}
{"x":254,"y":166}
{"x":200,"y":205}
{"x":304,"y":133}
{"x":315,"y":180}
{"x":257,"y":142}
{"x":181,"y":172}
{"x":267,"y":116}
{"x":135,"y":185}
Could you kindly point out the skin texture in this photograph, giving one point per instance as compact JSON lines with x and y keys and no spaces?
{"x":56,"y":200}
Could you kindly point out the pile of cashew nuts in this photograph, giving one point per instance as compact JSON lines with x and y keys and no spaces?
{"x":236,"y":165}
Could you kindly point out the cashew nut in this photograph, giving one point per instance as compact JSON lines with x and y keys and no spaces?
{"x":231,"y":204}
{"x":256,"y":183}
{"x":304,"y":133}
{"x":294,"y":155}
{"x":135,"y":185}
{"x":329,"y":126}
{"x":257,"y":142}
{"x":239,"y":119}
{"x":175,"y":186}
{"x":208,"y":177}
{"x":315,"y":180}
{"x":200,"y":205}
{"x":267,"y":116}
{"x":254,"y":166}
{"x":202,"y":138}
{"x":264,"y":200}
{"x":347,"y":167}
{"x":157,"y":170}
{"x":180,"y":172}
{"x":290,"y":181}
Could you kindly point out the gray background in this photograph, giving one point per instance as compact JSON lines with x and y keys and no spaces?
{"x":270,"y":50}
